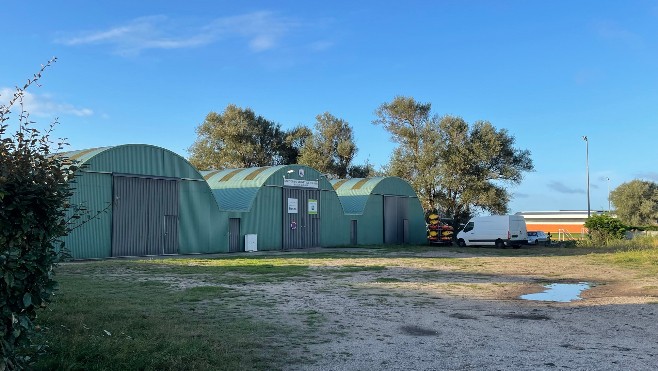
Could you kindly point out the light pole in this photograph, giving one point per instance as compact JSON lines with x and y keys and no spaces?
{"x":587,"y":168}
{"x":608,"y":195}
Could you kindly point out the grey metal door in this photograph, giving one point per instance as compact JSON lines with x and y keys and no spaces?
{"x":395,"y":214}
{"x":301,"y":218}
{"x":234,"y":235}
{"x":144,"y":216}
{"x":353,"y":232}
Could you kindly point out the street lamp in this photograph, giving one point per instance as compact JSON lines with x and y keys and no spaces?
{"x":587,"y":167}
{"x":608,"y":195}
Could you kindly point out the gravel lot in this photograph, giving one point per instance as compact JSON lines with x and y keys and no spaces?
{"x":466,"y":314}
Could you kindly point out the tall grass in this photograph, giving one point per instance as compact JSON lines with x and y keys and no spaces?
{"x":639,"y":253}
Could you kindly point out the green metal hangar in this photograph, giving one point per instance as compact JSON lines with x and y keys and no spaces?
{"x":278,"y":207}
{"x":143,"y":200}
{"x":381,"y":210}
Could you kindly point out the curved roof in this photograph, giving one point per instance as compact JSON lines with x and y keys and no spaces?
{"x":141,"y":159}
{"x":236,"y":189}
{"x":354,"y":193}
{"x":240,"y":178}
{"x":83,"y":155}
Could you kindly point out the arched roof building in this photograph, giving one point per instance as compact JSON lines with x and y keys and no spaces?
{"x":142,"y":200}
{"x":285,"y":207}
{"x":381,"y":210}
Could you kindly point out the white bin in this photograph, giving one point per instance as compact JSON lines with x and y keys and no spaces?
{"x":250,"y":242}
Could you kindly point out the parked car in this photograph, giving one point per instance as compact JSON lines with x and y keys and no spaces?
{"x":538,"y":237}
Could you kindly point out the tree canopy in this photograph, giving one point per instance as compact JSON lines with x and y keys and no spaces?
{"x":330,"y":149}
{"x":416,"y":158}
{"x":238,"y":138}
{"x":456,"y":168}
{"x":636,"y":202}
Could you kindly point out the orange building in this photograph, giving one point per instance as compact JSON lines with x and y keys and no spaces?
{"x":558,"y":223}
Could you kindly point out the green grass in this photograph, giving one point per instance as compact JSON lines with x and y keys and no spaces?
{"x":98,"y":323}
{"x":644,"y":260}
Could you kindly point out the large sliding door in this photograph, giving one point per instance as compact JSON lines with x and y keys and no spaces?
{"x":396,"y":219}
{"x":144,"y":216}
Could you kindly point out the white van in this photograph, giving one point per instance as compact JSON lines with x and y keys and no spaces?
{"x":494,"y":230}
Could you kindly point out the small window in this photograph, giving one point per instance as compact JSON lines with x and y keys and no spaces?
{"x":468,"y":227}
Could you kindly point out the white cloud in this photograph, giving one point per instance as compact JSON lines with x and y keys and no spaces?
{"x":261,"y":31}
{"x":43,"y":104}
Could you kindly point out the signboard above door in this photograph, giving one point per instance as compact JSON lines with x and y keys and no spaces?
{"x":301,"y":183}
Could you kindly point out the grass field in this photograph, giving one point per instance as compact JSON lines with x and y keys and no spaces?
{"x":214,"y":313}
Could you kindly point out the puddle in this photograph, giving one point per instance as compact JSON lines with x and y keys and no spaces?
{"x":560,"y":292}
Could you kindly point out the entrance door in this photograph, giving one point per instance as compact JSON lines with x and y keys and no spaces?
{"x":234,"y":235}
{"x":395,"y":218}
{"x":144,"y":216}
{"x":353,"y":232}
{"x":301,"y":218}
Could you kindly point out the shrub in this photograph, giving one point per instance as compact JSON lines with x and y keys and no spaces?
{"x":604,"y":228}
{"x":34,"y":192}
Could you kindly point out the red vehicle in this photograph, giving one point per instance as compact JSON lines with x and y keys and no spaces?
{"x":438,"y":231}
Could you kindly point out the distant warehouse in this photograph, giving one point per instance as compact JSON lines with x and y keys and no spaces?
{"x":556,"y":222}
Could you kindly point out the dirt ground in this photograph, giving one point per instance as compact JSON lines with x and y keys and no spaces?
{"x":465,"y":314}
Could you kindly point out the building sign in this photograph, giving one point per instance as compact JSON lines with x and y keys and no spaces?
{"x":312,"y":206}
{"x":292,"y":206}
{"x":301,"y":173}
{"x":301,"y":183}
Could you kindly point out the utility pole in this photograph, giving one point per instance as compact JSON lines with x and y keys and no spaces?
{"x":587,"y":168}
{"x":608,"y":195}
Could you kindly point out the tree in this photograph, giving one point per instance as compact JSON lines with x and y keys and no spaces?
{"x":455,"y":168}
{"x":34,"y":193}
{"x":330,"y":149}
{"x":477,"y":164}
{"x":237,"y":138}
{"x":636,"y":202}
{"x":416,"y":158}
{"x":362,"y":171}
{"x":293,"y":142}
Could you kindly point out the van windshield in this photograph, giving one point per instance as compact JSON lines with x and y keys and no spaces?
{"x":468,"y":227}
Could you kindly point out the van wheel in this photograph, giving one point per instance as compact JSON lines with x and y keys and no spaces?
{"x":500,"y":244}
{"x":461,"y":243}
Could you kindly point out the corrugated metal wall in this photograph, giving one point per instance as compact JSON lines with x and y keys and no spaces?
{"x":335,"y":225}
{"x":202,"y":227}
{"x":91,"y":238}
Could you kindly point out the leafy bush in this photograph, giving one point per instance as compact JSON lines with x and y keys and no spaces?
{"x":34,"y":192}
{"x":604,"y":228}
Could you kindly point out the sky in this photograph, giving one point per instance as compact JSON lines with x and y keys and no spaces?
{"x":548,"y":72}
